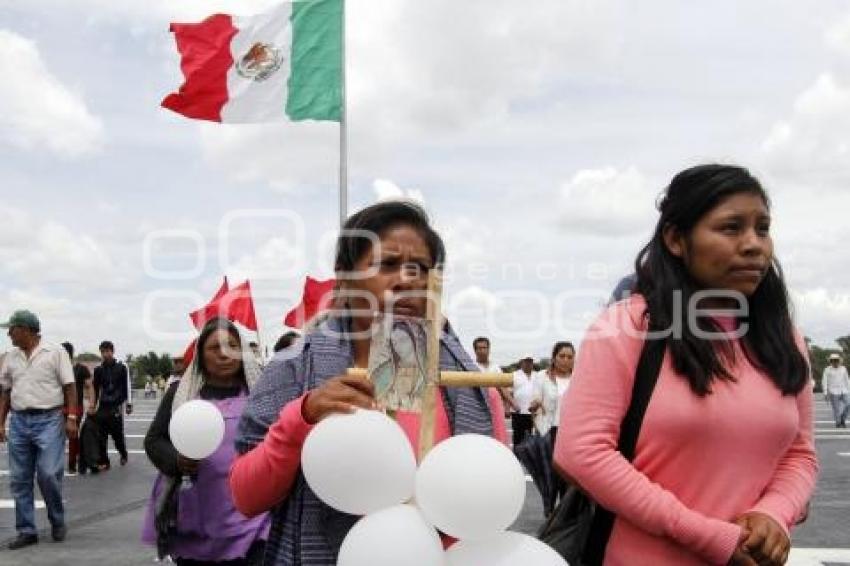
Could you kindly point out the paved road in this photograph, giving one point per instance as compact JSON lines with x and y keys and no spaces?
{"x":105,"y":511}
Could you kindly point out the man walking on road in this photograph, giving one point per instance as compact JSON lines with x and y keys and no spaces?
{"x":111,"y":390}
{"x":836,"y":385}
{"x":37,"y":380}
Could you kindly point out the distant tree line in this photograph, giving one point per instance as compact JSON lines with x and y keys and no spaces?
{"x":141,"y":367}
{"x":149,"y":365}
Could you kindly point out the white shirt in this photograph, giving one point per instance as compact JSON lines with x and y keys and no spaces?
{"x":835,"y":380}
{"x":37,"y":382}
{"x":489,"y":368}
{"x":550,"y":396}
{"x":523,"y":391}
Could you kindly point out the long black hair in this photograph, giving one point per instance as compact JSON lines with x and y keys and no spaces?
{"x":211,"y":326}
{"x":769,"y":342}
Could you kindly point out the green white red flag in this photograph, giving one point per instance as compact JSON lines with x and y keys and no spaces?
{"x":285,"y":64}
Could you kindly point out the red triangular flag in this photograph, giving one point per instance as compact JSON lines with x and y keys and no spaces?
{"x":238,"y":306}
{"x":317,"y":297}
{"x":202,"y":315}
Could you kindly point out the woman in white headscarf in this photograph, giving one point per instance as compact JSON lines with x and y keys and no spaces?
{"x":199,"y":524}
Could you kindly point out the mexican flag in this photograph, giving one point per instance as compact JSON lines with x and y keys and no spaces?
{"x":285,"y":64}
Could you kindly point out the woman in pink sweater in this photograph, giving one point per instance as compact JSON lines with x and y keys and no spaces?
{"x":725,"y":462}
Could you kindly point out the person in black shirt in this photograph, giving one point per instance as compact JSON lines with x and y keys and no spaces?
{"x":111,"y":387}
{"x":82,"y":381}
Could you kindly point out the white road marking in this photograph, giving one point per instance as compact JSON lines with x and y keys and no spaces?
{"x":817,"y":556}
{"x":111,"y":451}
{"x":10,"y":504}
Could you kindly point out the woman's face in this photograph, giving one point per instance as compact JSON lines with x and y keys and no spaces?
{"x":730,"y":247}
{"x":564,"y":360}
{"x":390,"y":277}
{"x":222,"y":354}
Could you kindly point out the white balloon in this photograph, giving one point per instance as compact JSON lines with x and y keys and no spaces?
{"x":504,"y":549}
{"x":392,"y":537}
{"x":196,"y":429}
{"x":359,"y":463}
{"x":470,"y":486}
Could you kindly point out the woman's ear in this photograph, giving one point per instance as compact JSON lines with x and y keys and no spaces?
{"x":673,"y":240}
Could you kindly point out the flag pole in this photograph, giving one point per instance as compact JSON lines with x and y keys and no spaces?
{"x":343,"y":134}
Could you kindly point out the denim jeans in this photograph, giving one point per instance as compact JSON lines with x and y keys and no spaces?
{"x":36,"y":448}
{"x":840,"y":407}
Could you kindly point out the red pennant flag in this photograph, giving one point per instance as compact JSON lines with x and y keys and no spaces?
{"x":202,"y":315}
{"x":238,"y":306}
{"x":317,"y":297}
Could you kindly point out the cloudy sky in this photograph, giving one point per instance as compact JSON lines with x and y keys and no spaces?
{"x":537,"y":134}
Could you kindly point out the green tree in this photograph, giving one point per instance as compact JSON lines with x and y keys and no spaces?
{"x":148,"y":364}
{"x":166,"y":364}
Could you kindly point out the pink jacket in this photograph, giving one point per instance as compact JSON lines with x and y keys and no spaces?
{"x":700,"y":461}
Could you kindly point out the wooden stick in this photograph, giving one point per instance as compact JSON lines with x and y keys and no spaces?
{"x":460,"y":378}
{"x":434,"y":315}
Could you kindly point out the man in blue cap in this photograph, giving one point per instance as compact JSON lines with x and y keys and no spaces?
{"x":37,"y":382}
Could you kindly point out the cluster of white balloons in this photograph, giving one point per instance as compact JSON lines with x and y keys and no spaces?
{"x":469,"y":487}
{"x":196,"y":429}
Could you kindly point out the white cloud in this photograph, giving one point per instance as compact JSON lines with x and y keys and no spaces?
{"x":286,"y":156}
{"x":133,"y":12}
{"x":434,"y":66}
{"x":837,"y":36}
{"x":277,"y":259}
{"x":37,"y":252}
{"x":60,"y":249}
{"x":473,"y":298}
{"x":417,"y":69}
{"x":387,"y":190}
{"x":820,"y":311}
{"x":38,"y":111}
{"x":607,"y":202}
{"x":814,"y":142}
{"x":40,"y":303}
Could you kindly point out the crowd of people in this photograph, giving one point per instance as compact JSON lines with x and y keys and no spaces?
{"x":697,"y":490}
